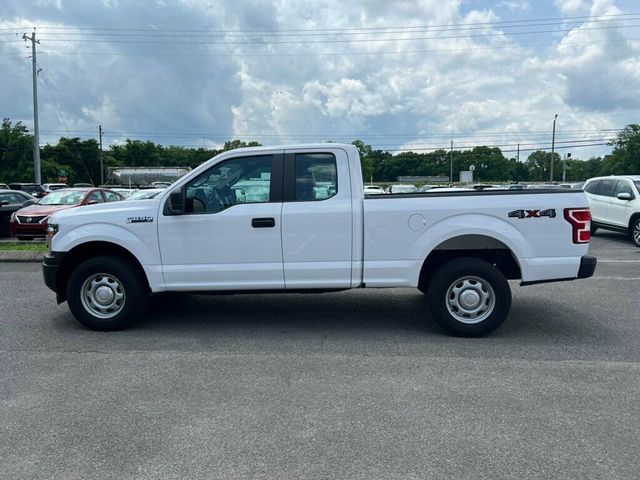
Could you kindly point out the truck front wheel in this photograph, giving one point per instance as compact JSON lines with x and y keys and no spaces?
{"x":469,"y":297}
{"x":104,"y":293}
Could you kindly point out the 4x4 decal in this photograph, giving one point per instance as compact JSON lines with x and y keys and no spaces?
{"x":550,"y":213}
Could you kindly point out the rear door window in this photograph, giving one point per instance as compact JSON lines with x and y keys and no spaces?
{"x":95,"y":196}
{"x":316,"y":176}
{"x":111,"y":196}
{"x":606,"y":188}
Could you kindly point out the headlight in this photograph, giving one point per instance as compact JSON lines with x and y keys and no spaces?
{"x":13,"y":217}
{"x":44,"y":220}
{"x":52,"y":229}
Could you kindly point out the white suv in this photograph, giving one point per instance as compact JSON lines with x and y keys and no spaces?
{"x":615,"y":204}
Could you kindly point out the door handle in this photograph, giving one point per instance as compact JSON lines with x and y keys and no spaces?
{"x":263,"y":222}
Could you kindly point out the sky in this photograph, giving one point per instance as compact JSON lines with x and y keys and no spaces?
{"x":396,"y":74}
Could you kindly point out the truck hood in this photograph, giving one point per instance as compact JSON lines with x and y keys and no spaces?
{"x":115,"y":212}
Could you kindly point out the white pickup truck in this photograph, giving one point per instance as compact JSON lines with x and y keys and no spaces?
{"x":295,"y":219}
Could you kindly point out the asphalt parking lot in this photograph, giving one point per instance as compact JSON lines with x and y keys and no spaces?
{"x":357,"y":384}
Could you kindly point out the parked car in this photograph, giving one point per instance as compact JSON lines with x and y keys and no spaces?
{"x":32,"y":221}
{"x":50,"y":187}
{"x":31,"y":188}
{"x":145,"y":194}
{"x":4,"y":186}
{"x":543,"y":186}
{"x":82,"y":185}
{"x":373,"y":190}
{"x":400,"y":188}
{"x":11,"y":201}
{"x":125,"y":192}
{"x":615,"y":204}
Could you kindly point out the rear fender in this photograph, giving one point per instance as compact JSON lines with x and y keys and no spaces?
{"x":472,"y":224}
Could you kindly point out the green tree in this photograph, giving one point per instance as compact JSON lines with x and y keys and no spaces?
{"x":539,"y":164}
{"x":233,"y":144}
{"x":16,"y":153}
{"x":625,"y":158}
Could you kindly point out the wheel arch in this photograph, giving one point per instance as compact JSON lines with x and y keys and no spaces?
{"x":482,"y":247}
{"x":632,"y":220}
{"x":85,"y":251}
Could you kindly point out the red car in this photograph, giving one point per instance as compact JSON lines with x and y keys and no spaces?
{"x":32,"y":222}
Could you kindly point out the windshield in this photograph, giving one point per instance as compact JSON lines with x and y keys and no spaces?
{"x":33,"y":188}
{"x":63,"y":197}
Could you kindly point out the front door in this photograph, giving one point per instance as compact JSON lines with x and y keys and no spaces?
{"x":229,"y":237}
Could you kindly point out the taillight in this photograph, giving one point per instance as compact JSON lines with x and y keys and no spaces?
{"x":580,"y":220}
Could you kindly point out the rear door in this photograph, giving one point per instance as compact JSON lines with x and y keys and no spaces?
{"x":317,"y":219}
{"x":597,"y":202}
{"x":620,"y":210}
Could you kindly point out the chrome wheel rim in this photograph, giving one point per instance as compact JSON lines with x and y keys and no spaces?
{"x":636,"y":234}
{"x":470,"y":300}
{"x":102,"y":295}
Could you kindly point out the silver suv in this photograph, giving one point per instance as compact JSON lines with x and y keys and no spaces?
{"x":615,"y":204}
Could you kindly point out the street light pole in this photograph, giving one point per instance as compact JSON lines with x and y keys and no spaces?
{"x":553,"y":146}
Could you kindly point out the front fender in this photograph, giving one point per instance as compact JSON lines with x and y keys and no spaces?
{"x":143,"y":244}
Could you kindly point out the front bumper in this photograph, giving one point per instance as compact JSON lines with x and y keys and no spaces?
{"x":50,"y":268}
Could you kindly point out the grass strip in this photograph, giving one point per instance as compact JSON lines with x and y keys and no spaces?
{"x":23,"y":247}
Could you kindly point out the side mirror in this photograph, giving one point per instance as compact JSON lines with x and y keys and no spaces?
{"x":4,"y":202}
{"x":624,"y":196}
{"x":175,"y":204}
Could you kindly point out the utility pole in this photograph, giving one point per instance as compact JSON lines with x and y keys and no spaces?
{"x":518,"y":153}
{"x":553,"y":146}
{"x":36,"y":128}
{"x":451,"y":161}
{"x":101,"y":133}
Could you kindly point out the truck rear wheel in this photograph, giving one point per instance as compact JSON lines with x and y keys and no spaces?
{"x":469,"y":297}
{"x":104,"y":293}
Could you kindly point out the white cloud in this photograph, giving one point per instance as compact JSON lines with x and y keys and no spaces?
{"x":514,"y":5}
{"x":492,"y":90}
{"x":570,"y":7}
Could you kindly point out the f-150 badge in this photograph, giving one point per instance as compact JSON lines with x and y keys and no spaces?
{"x":139,"y":219}
{"x":551,"y":213}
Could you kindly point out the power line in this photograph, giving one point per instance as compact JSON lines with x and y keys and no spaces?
{"x":495,"y":23}
{"x":350,"y":40}
{"x":315,"y":54}
{"x":387,"y":30}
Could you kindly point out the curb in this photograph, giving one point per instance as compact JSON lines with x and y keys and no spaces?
{"x":18,"y":256}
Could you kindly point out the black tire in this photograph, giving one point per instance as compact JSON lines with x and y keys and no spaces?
{"x":634,"y":232}
{"x":111,"y":279}
{"x":481,"y":285}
